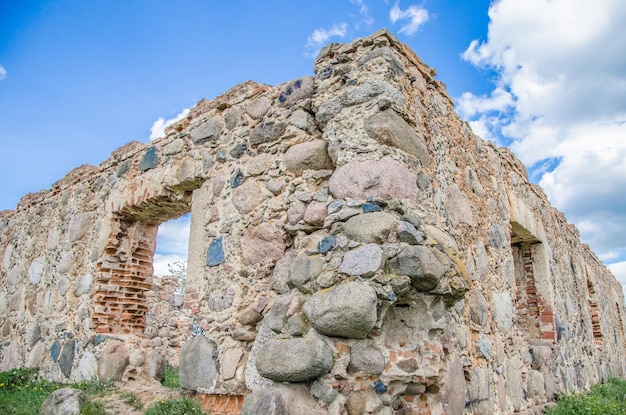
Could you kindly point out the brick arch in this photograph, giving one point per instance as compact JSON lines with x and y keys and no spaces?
{"x":124,"y":274}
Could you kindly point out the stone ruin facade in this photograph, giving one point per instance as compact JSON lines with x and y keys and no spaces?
{"x":355,"y":249}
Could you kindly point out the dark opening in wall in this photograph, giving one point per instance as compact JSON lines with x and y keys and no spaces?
{"x":535,"y":315}
{"x":125,"y":274}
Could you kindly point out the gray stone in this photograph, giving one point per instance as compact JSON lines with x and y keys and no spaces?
{"x":356,"y":95}
{"x":34,"y":335}
{"x":36,"y":270}
{"x":150,"y":160}
{"x":136,"y":358}
{"x":498,"y":237}
{"x":535,"y":386}
{"x":514,"y":382}
{"x":327,"y":244}
{"x":222,"y":299}
{"x":231,"y":118}
{"x":366,"y":359}
{"x":280,"y":275}
{"x":473,"y":182}
{"x":295,"y":91}
{"x":385,"y":179}
{"x":64,"y":401}
{"x":243,"y":335}
{"x":323,"y":391}
{"x":454,"y":395}
{"x":346,"y":310}
{"x":250,"y":317}
{"x":363,"y":261}
{"x":310,"y":155}
{"x":304,"y":269}
{"x":254,"y":381}
{"x":304,"y":121}
{"x":174,"y":147}
{"x":259,"y":164}
{"x":479,"y":385}
{"x":297,"y":359}
{"x":459,"y":206}
{"x":425,"y":266}
{"x":502,"y":311}
{"x":258,"y":108}
{"x":372,"y":227}
{"x":82,"y":285}
{"x":407,"y":233}
{"x":236,"y":179}
{"x":112,"y":362}
{"x":281,"y":400}
{"x":154,"y":365}
{"x":215,"y":253}
{"x":266,"y":132}
{"x":247,"y":196}
{"x":390,"y":129}
{"x":482,"y":263}
{"x":397,"y":67}
{"x":478,"y":309}
{"x":209,"y":131}
{"x":275,"y":186}
{"x":239,"y":150}
{"x":79,"y":225}
{"x":14,"y":275}
{"x":55,"y":350}
{"x":66,"y":358}
{"x":197,"y":365}
{"x":277,"y":316}
{"x":483,"y":345}
{"x":229,"y":362}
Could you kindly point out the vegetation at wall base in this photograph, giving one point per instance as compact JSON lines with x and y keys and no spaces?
{"x":171,"y":377}
{"x":605,"y":399}
{"x":182,"y":406}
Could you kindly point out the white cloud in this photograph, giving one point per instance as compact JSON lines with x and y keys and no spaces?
{"x":158,"y":128}
{"x":3,"y":73}
{"x":173,"y":236}
{"x":416,"y":15}
{"x":161,"y":264}
{"x":619,"y":270}
{"x":361,"y":5}
{"x":320,"y":37}
{"x":560,"y":101}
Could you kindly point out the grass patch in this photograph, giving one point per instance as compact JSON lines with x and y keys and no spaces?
{"x":22,"y":392}
{"x":183,"y":406}
{"x":605,"y":399}
{"x":171,"y":378}
{"x":131,"y":400}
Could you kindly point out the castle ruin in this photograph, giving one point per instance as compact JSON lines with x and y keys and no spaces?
{"x":355,"y":249}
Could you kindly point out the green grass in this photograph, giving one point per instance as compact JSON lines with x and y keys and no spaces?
{"x":131,"y":400}
{"x":170,"y":377}
{"x":22,"y":392}
{"x":605,"y":399}
{"x":182,"y":406}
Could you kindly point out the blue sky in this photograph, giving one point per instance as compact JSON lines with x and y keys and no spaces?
{"x":78,"y":79}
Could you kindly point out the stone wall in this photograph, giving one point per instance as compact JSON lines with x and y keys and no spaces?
{"x":354,"y":249}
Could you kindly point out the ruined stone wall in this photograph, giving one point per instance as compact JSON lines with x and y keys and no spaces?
{"x":350,"y":236}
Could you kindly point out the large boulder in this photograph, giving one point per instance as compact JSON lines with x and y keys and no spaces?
{"x":281,"y":400}
{"x":373,"y":227}
{"x":388,"y":128}
{"x":425,"y":266}
{"x":197,"y":365}
{"x":385,"y":178}
{"x":311,"y":155}
{"x":298,"y":359}
{"x":64,"y":401}
{"x":346,"y":310}
{"x":112,"y":362}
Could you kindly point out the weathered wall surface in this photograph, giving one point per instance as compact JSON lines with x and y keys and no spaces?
{"x":350,"y":235}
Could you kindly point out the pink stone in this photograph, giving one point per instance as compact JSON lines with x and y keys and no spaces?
{"x":262,"y":243}
{"x":385,"y":178}
{"x":315,"y":213}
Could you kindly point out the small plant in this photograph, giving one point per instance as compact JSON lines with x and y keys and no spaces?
{"x":131,"y":400}
{"x":171,"y":377}
{"x":605,"y":399}
{"x":183,"y":406}
{"x":93,"y":408}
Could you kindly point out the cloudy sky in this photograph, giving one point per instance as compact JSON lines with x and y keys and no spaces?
{"x":547,"y":78}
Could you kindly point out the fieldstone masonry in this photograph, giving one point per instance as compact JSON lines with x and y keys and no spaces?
{"x":354,"y":249}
